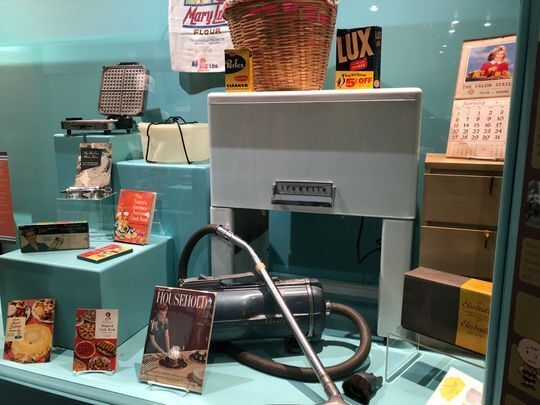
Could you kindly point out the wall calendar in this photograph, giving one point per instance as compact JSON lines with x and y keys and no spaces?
{"x":479,"y":122}
{"x":478,"y":128}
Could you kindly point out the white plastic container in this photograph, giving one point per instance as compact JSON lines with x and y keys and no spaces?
{"x":166,"y":143}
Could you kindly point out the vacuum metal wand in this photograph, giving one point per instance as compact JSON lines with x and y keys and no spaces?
{"x":334,"y":396}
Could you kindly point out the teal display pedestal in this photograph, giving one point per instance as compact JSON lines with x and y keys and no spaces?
{"x":125,"y":283}
{"x":182,"y":205}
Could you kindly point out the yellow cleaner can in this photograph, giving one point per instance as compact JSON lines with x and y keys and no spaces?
{"x":238,"y":70}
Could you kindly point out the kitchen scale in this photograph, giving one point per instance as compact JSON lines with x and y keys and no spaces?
{"x":123,"y":92}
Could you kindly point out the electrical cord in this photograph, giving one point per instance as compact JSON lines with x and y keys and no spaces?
{"x":170,"y":120}
{"x":361,"y":259}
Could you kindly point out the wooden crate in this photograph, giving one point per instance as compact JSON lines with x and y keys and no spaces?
{"x":439,"y":163}
{"x":466,"y":252}
{"x":462,"y":199}
{"x":460,"y":214}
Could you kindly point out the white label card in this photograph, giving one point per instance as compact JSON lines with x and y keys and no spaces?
{"x":15,"y":328}
{"x":106,"y":324}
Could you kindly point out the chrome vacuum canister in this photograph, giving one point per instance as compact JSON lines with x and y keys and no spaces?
{"x":245,"y":309}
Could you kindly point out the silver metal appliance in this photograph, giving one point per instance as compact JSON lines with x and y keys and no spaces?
{"x":333,"y":152}
{"x":122,"y":96}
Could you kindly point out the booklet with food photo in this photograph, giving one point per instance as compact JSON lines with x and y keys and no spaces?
{"x":105,"y":253}
{"x":178,"y":338}
{"x":133,"y":220}
{"x":29,"y":330}
{"x":95,"y":340}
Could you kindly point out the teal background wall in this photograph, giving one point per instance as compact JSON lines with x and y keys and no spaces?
{"x":51,"y":54}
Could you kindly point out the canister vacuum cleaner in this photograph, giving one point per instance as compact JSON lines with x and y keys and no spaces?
{"x":256,"y":306}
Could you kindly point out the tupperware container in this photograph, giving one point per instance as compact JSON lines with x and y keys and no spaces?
{"x":164,"y":142}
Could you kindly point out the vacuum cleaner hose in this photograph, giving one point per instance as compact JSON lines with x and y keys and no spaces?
{"x":190,"y":245}
{"x":337,"y":371}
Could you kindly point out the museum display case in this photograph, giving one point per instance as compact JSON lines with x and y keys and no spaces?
{"x":383,"y":190}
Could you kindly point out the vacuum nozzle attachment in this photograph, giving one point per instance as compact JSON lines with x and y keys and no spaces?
{"x":362,"y":386}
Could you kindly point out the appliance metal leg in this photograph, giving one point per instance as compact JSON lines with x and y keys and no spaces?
{"x":396,"y":244}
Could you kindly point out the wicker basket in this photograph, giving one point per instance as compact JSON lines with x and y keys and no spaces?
{"x":290,"y":40}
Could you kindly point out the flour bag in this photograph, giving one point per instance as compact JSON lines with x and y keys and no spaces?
{"x":198,"y":35}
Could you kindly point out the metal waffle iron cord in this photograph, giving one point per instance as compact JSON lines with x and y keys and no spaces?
{"x":292,"y":298}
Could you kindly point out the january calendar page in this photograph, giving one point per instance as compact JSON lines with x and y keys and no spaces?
{"x":479,"y":122}
{"x":478,"y":128}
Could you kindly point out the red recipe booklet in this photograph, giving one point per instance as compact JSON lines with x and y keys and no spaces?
{"x":133,"y":220}
{"x":105,"y":253}
{"x":95,"y":340}
{"x":29,"y":330}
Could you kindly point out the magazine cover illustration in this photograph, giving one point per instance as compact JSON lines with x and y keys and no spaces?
{"x":178,"y":338}
{"x":95,"y":340}
{"x":29,"y":330}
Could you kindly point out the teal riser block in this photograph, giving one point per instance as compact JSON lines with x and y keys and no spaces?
{"x":66,"y":150}
{"x":125,"y":283}
{"x":182,"y":205}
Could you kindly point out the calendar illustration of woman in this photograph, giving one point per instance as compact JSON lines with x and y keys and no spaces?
{"x":496,"y":64}
{"x":491,"y":62}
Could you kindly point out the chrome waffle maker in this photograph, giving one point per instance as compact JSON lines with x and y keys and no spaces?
{"x":122,"y":96}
